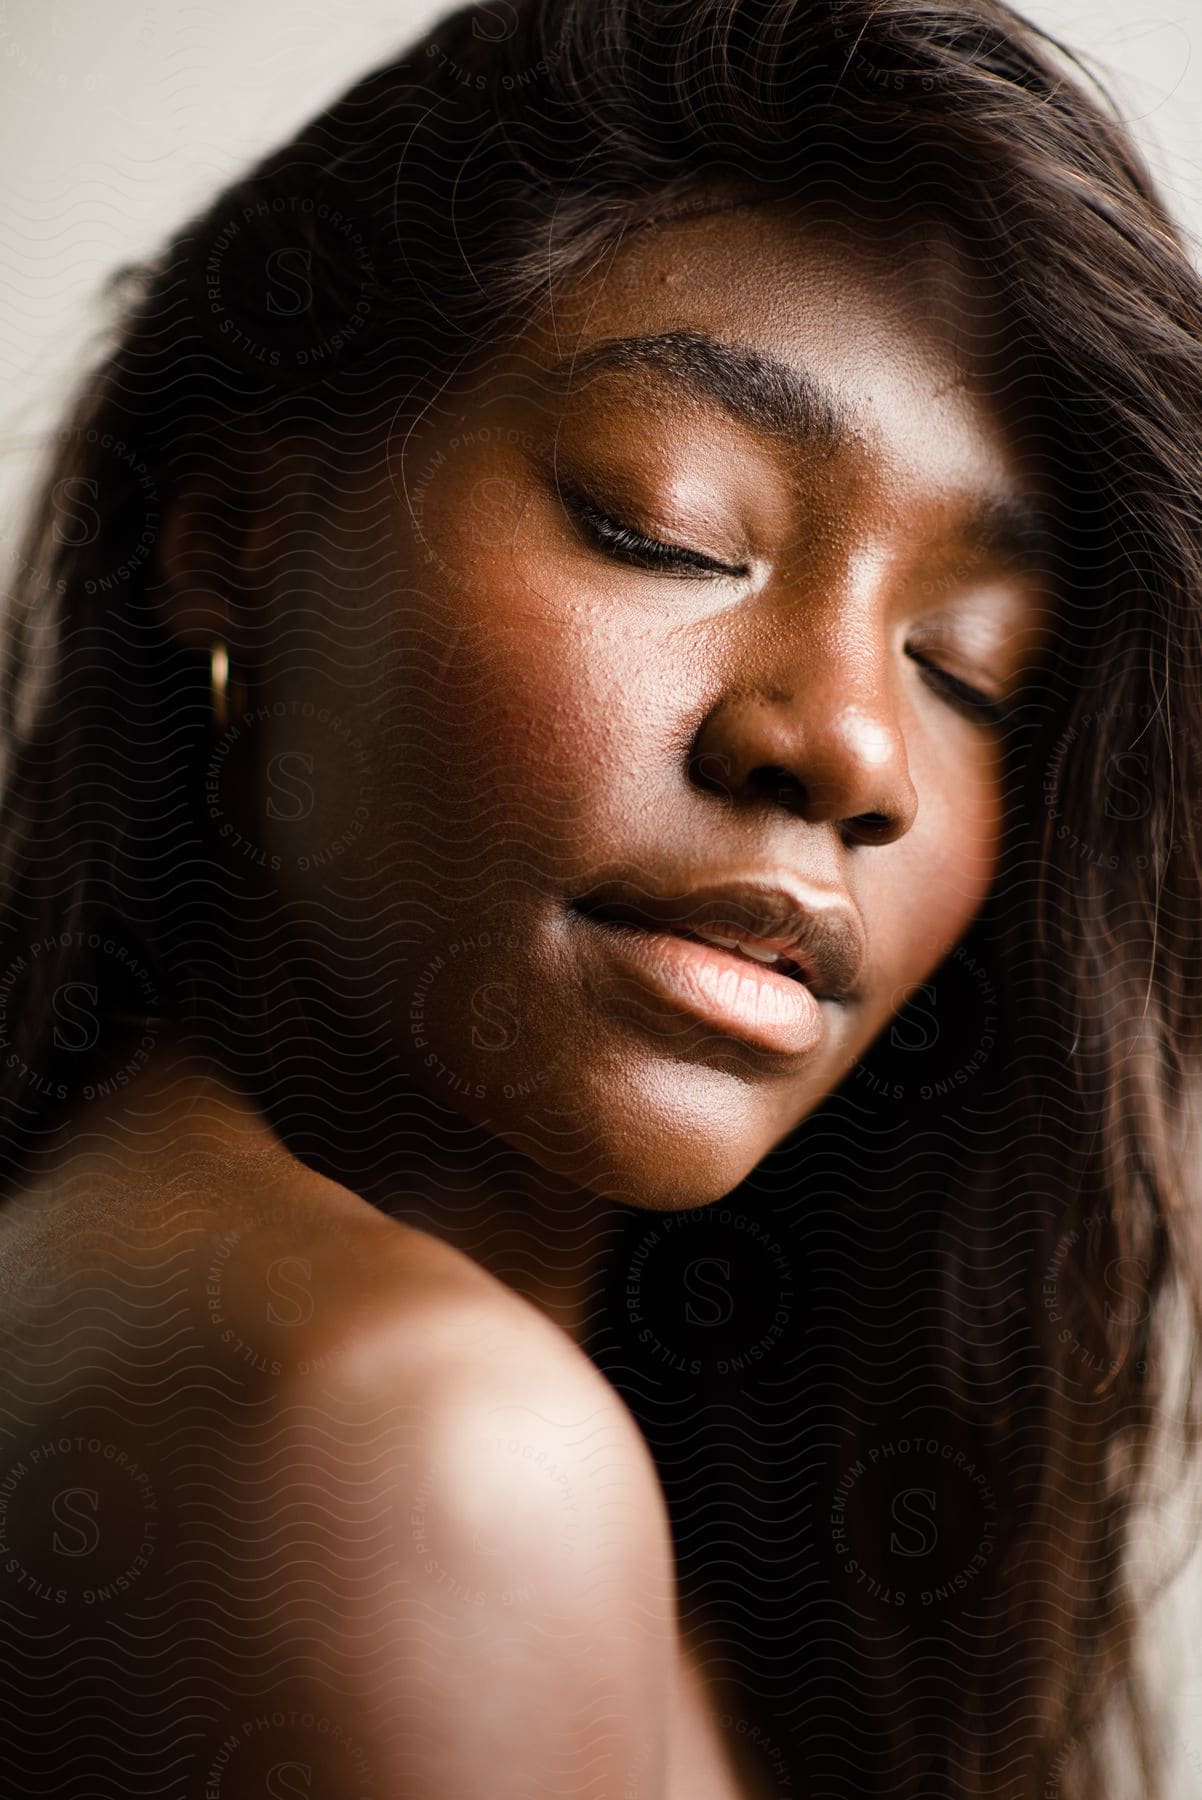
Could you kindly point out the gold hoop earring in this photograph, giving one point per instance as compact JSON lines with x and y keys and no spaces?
{"x":226,"y":695}
{"x":219,"y":684}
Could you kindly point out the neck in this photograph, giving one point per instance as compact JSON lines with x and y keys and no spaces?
{"x":539,"y":1234}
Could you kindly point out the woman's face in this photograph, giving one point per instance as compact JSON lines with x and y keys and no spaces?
{"x":681,"y":579}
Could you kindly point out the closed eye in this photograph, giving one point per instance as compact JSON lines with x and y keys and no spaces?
{"x":986,"y":709}
{"x":626,"y":545}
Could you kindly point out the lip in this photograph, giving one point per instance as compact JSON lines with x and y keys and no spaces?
{"x":816,"y":929}
{"x":713,"y":987}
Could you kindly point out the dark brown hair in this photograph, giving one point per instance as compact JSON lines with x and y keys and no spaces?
{"x":989,"y":1223}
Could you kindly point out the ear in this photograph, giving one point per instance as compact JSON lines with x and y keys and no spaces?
{"x":199,"y":555}
{"x":210,"y":569}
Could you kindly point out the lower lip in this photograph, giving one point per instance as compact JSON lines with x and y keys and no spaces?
{"x":718,"y":988}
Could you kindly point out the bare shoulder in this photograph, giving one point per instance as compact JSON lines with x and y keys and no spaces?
{"x":479,"y":1527}
{"x":378,"y":1497}
{"x":264,"y":1262}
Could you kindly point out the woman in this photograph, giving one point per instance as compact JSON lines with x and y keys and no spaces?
{"x":601,"y":884}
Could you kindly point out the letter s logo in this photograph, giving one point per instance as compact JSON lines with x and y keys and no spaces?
{"x":1127,"y":802}
{"x":721,"y":1306}
{"x":916,"y":1029}
{"x":289,"y":1780}
{"x":1131,"y":1290}
{"x":83,"y":1023}
{"x":68,"y":503}
{"x":915,"y":1508}
{"x":289,"y":272}
{"x":499,"y":1015}
{"x":494,"y":505}
{"x":286,"y":773}
{"x":501,"y":18}
{"x":287,"y":1279}
{"x":75,"y":1509}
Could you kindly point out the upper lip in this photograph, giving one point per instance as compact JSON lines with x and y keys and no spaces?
{"x":823,"y":937}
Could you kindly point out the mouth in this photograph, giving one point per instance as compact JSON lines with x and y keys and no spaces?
{"x":738,"y":985}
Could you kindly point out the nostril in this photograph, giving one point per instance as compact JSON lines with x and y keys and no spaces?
{"x":714,"y":771}
{"x":871,"y":825}
{"x":775,"y":782}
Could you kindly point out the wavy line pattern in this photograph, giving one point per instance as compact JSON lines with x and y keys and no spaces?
{"x":446,"y":1350}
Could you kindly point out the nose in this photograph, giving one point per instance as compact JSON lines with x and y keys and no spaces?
{"x":827,"y":746}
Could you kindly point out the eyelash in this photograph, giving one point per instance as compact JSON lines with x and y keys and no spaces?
{"x":630,"y":546}
{"x":970,"y":699}
{"x":626,"y":545}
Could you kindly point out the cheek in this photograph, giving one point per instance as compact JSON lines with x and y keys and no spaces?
{"x":541,"y":708}
{"x":941,"y":873}
{"x":544,"y":708}
{"x":960,"y":835}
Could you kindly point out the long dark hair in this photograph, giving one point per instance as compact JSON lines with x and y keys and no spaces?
{"x":987,"y":1227}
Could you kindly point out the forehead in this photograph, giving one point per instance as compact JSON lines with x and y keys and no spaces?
{"x":906,"y":331}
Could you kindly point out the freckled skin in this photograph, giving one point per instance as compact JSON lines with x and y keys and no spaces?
{"x":520,"y":716}
{"x":546,"y":704}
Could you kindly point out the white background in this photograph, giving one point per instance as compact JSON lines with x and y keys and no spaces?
{"x":119,"y":117}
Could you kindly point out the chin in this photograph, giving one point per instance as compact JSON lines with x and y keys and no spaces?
{"x":683,"y":1136}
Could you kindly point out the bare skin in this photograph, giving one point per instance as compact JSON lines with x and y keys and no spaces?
{"x":541,"y":707}
{"x":506,"y":1533}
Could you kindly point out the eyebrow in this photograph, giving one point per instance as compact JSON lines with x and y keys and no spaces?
{"x":1018,"y":529}
{"x":755,"y":389}
{"x":769,"y":395}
